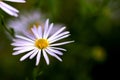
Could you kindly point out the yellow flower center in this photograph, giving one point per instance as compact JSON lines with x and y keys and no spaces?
{"x":41,"y":43}
{"x":36,"y":24}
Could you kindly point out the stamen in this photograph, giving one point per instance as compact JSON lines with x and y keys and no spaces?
{"x":41,"y":43}
{"x":35,"y":23}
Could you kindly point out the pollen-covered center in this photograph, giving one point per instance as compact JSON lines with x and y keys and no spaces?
{"x":41,"y":43}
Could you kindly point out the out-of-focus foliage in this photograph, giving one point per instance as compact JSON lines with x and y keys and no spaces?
{"x":94,"y":25}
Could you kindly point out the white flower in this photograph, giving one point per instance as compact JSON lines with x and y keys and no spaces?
{"x":25,"y":21}
{"x":41,"y":42}
{"x":9,"y":9}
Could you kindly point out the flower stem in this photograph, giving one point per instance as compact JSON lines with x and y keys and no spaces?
{"x":10,"y":31}
{"x":36,"y":73}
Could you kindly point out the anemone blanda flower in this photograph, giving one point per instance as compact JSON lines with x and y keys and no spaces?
{"x":41,"y":42}
{"x":9,"y":9}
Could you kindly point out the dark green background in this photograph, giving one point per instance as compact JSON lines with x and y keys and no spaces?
{"x":95,"y":27}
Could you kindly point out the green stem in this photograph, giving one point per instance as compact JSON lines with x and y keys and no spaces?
{"x":36,"y":73}
{"x":5,"y":27}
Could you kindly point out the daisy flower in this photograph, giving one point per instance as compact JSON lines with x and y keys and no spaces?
{"x":41,"y":42}
{"x":26,"y":21}
{"x":9,"y":9}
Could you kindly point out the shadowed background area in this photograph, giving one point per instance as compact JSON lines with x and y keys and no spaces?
{"x":95,"y":27}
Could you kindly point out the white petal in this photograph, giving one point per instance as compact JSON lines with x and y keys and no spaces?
{"x":27,"y":55}
{"x":28,"y":35}
{"x":9,"y":7}
{"x":19,"y":1}
{"x":22,"y":44}
{"x":40,"y":31}
{"x":65,"y":36}
{"x":38,"y":57}
{"x":62,"y":43}
{"x":53,"y":54}
{"x":58,"y":48}
{"x":22,"y":47}
{"x":61,"y":34}
{"x":22,"y":41}
{"x":24,"y":38}
{"x":46,"y":28}
{"x":46,"y":57}
{"x":7,"y":10}
{"x":35,"y":32}
{"x":23,"y":50}
{"x":34,"y":54}
{"x":59,"y":31}
{"x":55,"y":51}
{"x":49,"y":30}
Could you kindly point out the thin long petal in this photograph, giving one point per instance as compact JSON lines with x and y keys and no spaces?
{"x":40,"y":31}
{"x":24,"y":38}
{"x":65,"y":36}
{"x":62,"y":43}
{"x":23,"y":50}
{"x":18,"y":1}
{"x":7,"y":10}
{"x":46,"y":28}
{"x":58,"y":48}
{"x":59,"y":31}
{"x":28,"y":35}
{"x":34,"y":54}
{"x":22,"y":41}
{"x":61,"y":35}
{"x":53,"y":54}
{"x":9,"y":7}
{"x":46,"y":57}
{"x":38,"y":57}
{"x":55,"y":51}
{"x":27,"y":55}
{"x":22,"y":44}
{"x":22,"y":47}
{"x":49,"y":30}
{"x":35,"y":31}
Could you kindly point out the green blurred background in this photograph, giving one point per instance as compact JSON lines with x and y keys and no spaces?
{"x":95,"y":27}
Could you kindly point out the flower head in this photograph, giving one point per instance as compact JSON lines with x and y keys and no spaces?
{"x":26,"y":21}
{"x":41,"y":41}
{"x":9,"y":9}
